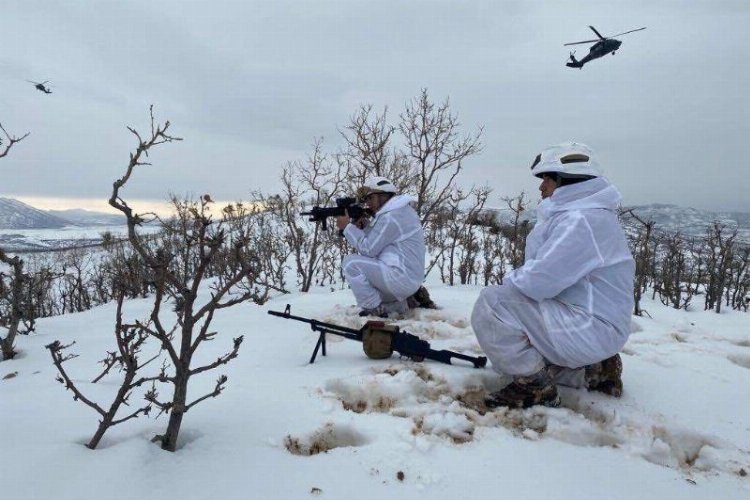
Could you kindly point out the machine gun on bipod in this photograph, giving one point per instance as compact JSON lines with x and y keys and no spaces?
{"x":381,"y":340}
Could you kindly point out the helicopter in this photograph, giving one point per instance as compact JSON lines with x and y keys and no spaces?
{"x":41,"y":86}
{"x":602,"y":46}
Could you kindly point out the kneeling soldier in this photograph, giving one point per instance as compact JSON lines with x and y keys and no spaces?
{"x":389,"y":267}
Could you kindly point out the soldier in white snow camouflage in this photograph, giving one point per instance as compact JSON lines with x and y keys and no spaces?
{"x":563,"y":316}
{"x":389,"y":267}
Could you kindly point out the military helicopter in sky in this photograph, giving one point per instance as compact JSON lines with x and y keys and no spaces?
{"x":41,"y":86}
{"x":602,"y":46}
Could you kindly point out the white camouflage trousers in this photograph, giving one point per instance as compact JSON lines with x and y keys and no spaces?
{"x":374,"y":283}
{"x":512,"y":330}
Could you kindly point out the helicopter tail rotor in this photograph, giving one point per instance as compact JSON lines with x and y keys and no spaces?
{"x":574,"y":63}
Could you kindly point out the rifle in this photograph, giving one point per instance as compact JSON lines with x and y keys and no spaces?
{"x":380,"y":340}
{"x":320,"y":214}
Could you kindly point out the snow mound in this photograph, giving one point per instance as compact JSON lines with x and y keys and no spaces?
{"x":327,"y":438}
{"x":454,"y":410}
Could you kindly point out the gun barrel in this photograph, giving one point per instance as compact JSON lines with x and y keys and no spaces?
{"x":319,"y":325}
{"x":477,"y":361}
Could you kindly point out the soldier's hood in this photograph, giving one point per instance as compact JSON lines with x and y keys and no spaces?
{"x":596,"y":193}
{"x":398,"y":201}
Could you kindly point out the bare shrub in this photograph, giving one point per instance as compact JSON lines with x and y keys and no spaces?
{"x":130,"y":341}
{"x":179,"y":264}
{"x":317,"y":181}
{"x":459,"y":250}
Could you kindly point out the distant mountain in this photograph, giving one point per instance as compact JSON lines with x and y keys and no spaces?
{"x":692,"y":221}
{"x":667,"y":218}
{"x":17,"y":215}
{"x":88,"y":218}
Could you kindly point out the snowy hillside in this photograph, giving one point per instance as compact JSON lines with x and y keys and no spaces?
{"x":393,"y":428}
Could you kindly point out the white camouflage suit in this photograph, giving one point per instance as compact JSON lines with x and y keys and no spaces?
{"x":390,"y":264}
{"x":570,"y":303}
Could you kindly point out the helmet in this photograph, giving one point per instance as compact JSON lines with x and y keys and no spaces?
{"x":568,"y":160}
{"x":377,"y":185}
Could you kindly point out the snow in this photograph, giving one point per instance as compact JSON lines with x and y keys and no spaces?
{"x":347,"y":426}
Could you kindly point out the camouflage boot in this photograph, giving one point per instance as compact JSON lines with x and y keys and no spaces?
{"x":605,"y":376}
{"x":421,"y":299}
{"x":523,"y":392}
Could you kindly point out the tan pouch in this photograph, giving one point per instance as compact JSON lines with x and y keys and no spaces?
{"x":377,"y":339}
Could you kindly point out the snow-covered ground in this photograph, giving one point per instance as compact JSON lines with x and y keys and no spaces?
{"x":393,"y":428}
{"x":49,"y":239}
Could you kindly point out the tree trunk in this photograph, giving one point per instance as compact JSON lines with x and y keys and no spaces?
{"x":179,"y":400}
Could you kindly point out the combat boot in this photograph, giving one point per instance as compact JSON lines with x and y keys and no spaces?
{"x":378,"y":311}
{"x":523,"y":392}
{"x":421,"y":298}
{"x":605,"y":376}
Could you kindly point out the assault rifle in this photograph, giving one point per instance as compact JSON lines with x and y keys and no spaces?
{"x":380,"y":340}
{"x":343,"y":205}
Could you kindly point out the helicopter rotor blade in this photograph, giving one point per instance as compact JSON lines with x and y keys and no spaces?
{"x":577,"y":43}
{"x":625,"y":33}
{"x":597,"y":33}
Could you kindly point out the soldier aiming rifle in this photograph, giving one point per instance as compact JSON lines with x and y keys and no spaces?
{"x":387,"y":273}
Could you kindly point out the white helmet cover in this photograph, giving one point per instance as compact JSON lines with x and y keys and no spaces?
{"x":569,"y":159}
{"x":379,"y":185}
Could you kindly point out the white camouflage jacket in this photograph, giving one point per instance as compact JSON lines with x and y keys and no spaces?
{"x":394,"y":236}
{"x":577,"y":255}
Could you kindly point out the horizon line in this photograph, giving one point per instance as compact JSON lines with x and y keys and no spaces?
{"x":140,"y":205}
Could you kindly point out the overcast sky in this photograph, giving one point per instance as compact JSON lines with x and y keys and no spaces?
{"x":250,"y":85}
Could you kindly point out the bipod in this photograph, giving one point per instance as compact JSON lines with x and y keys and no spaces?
{"x":322,"y":328}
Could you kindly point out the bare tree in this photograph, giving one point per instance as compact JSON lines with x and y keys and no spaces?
{"x":641,"y":246}
{"x":179,"y":267}
{"x":740,"y":297}
{"x":315,"y":182}
{"x":10,"y":141}
{"x":517,"y":230}
{"x":673,"y":279}
{"x":13,"y":310}
{"x":436,"y":150}
{"x":11,"y":320}
{"x":425,"y":157}
{"x":720,"y":245}
{"x":493,"y":249}
{"x":370,"y":149}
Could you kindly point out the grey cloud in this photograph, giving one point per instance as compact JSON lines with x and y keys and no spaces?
{"x":250,"y":84}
